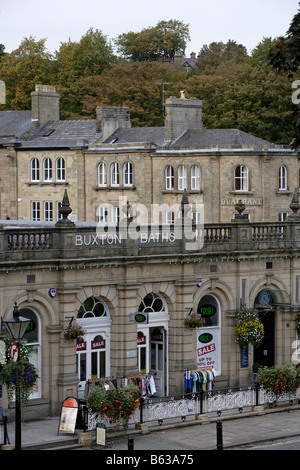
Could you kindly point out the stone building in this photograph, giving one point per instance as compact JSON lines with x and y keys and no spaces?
{"x":104,"y":160}
{"x":111,"y":258}
{"x":65,"y":271}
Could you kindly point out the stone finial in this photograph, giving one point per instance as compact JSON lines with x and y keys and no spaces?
{"x":65,"y":210}
{"x":295,"y":206}
{"x":240,"y":207}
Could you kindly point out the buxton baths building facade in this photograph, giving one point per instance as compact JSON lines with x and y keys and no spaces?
{"x":103,"y":278}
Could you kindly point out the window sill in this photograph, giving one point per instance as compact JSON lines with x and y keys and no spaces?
{"x":242,"y":193}
{"x":112,"y":188}
{"x":181,"y":191}
{"x":46,"y":183}
{"x":283,"y":191}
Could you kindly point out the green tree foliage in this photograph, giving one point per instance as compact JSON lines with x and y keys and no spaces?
{"x":216,"y":54}
{"x":285,"y":56}
{"x":139,"y":86}
{"x":22,"y":69}
{"x":92,"y":55}
{"x":246,"y":97}
{"x":154,"y":43}
{"x":260,"y":54}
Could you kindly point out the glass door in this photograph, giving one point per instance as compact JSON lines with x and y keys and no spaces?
{"x":157,"y":359}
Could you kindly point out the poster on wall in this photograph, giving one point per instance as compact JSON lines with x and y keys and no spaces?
{"x":208,"y":348}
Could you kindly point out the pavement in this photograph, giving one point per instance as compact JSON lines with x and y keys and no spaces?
{"x":235,"y":430}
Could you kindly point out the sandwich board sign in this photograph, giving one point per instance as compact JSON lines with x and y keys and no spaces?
{"x":68,"y":416}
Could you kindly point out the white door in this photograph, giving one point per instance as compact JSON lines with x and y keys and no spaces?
{"x":157,"y":359}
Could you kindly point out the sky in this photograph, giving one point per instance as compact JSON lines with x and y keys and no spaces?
{"x":245,"y":21}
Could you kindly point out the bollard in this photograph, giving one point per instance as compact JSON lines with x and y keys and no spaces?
{"x":130,"y":443}
{"x":219,"y":435}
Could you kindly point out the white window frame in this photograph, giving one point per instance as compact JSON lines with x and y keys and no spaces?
{"x":102,"y":174}
{"x":170,"y":217}
{"x":114,"y":174}
{"x":35,"y":169}
{"x":102,"y":214}
{"x":128,"y":174}
{"x":48,"y":211}
{"x":182,"y":178}
{"x":195,"y":178}
{"x":47,"y":169}
{"x":115,"y":214}
{"x":35,"y":211}
{"x":241,"y":181}
{"x":60,"y":169}
{"x":169,"y":177}
{"x":282,"y":178}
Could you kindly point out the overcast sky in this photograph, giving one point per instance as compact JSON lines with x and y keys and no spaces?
{"x":244,"y":21}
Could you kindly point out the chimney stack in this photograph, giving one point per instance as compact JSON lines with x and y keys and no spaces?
{"x":110,"y":118}
{"x":182,"y":114}
{"x":44,"y":104}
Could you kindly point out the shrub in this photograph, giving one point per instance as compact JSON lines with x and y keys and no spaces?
{"x":279,"y":379}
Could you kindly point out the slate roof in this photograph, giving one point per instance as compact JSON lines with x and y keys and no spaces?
{"x":137,"y":134}
{"x":63,"y":134}
{"x":220,"y":138}
{"x":14,"y":124}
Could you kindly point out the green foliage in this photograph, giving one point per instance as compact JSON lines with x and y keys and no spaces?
{"x":249,"y":329}
{"x":154,"y":43}
{"x":279,"y":379}
{"x":116,"y":404}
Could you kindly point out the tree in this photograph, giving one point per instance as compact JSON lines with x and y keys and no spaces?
{"x":22,"y":69}
{"x":154,"y":43}
{"x":92,"y":55}
{"x":285,"y":56}
{"x":246,"y":97}
{"x":217,"y":53}
{"x":138,"y":85}
{"x":260,"y":53}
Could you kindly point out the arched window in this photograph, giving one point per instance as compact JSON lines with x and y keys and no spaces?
{"x":282,"y":178}
{"x":33,"y":346}
{"x":47,"y":169}
{"x":153,"y":303}
{"x":114,"y":174}
{"x":128,"y":174}
{"x":60,"y":169}
{"x":182,"y":178}
{"x":169,"y":177}
{"x":195,"y":177}
{"x":241,"y":178}
{"x":93,"y":307}
{"x":34,"y":169}
{"x":102,"y":174}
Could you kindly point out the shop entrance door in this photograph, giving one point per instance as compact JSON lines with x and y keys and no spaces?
{"x":265,"y":353}
{"x":158,"y":359}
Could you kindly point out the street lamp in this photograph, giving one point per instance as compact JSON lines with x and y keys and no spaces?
{"x":16,"y":327}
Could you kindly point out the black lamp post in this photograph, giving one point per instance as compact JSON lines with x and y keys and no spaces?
{"x":16,"y":326}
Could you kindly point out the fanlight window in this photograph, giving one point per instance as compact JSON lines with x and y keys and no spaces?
{"x":93,"y":307}
{"x":152,"y":303}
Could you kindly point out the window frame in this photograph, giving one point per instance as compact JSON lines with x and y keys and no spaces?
{"x":241,"y":181}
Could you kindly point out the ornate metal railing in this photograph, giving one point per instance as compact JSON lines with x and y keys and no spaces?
{"x":155,"y":410}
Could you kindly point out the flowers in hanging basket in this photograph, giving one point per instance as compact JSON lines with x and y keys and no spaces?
{"x":19,"y":377}
{"x":194,"y":320}
{"x":298,"y":323}
{"x":279,"y":379}
{"x":115,"y":404}
{"x":249,"y":329}
{"x":73,"y":331}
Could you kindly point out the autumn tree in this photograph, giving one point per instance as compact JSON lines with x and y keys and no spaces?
{"x":216,"y":54}
{"x":22,"y":69}
{"x":154,"y":43}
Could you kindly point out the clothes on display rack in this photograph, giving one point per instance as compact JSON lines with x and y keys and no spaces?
{"x":199,"y":379}
{"x":144,"y":382}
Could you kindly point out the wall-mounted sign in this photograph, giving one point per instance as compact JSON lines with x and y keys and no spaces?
{"x":199,"y":281}
{"x":140,"y":317}
{"x":52,"y":292}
